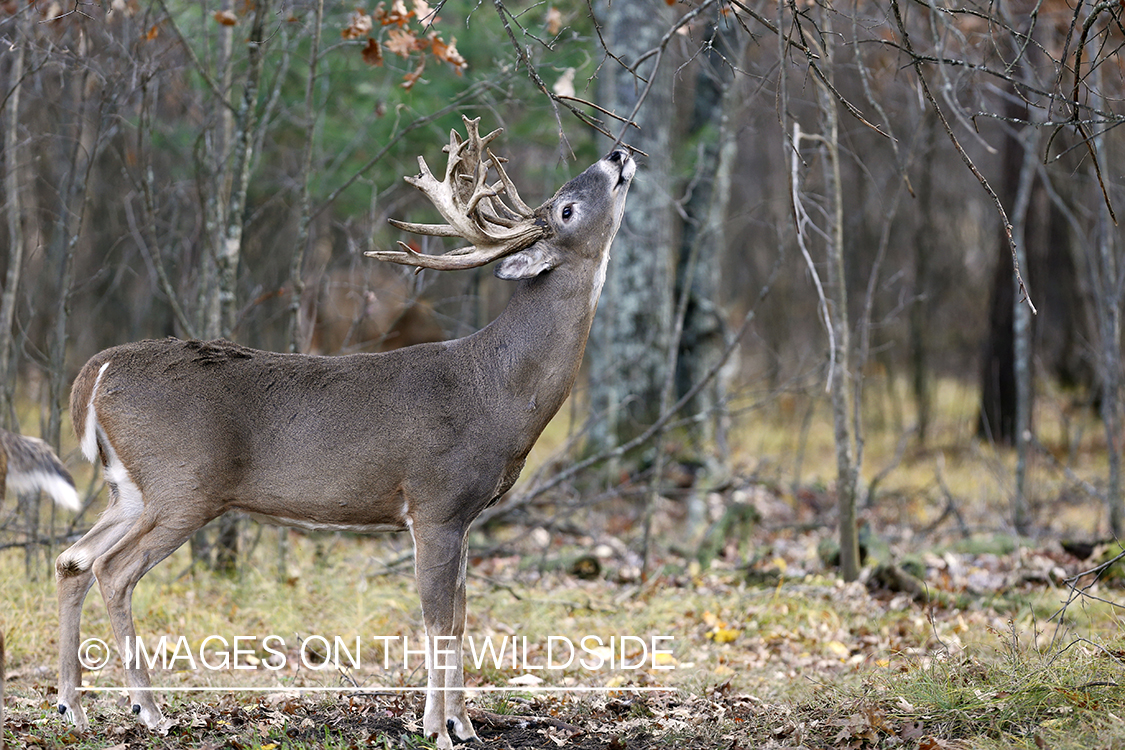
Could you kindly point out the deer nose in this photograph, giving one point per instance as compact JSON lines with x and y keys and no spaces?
{"x":618,"y":155}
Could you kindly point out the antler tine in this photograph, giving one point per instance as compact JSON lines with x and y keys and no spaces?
{"x":521,"y":208}
{"x":473,"y":209}
{"x":472,"y":131}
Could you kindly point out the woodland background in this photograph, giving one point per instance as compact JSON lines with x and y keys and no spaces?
{"x":827,"y":191}
{"x":845,"y":212}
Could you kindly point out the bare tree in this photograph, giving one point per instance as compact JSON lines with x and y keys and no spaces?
{"x":20,"y":38}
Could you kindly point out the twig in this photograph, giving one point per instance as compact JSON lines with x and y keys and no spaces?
{"x":555,"y":99}
{"x":657,"y":426}
{"x":468,"y":93}
{"x":801,"y":220}
{"x":195,"y":61}
{"x":916,"y":63}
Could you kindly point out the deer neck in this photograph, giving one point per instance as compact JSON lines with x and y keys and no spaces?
{"x":536,"y":344}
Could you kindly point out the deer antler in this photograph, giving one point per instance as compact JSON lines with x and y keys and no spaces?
{"x":473,"y":208}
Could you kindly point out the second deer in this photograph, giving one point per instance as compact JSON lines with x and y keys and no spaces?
{"x":419,"y":439}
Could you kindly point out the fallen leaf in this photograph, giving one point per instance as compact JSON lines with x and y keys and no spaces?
{"x":526,"y":680}
{"x":723,"y":635}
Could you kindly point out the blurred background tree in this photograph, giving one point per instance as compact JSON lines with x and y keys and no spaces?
{"x":218,"y":168}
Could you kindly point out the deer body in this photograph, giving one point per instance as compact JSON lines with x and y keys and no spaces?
{"x":356,"y":416}
{"x":422,"y":438}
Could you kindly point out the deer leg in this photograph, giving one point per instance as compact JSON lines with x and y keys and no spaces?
{"x":74,"y":573}
{"x":456,"y":715}
{"x":439,"y":564}
{"x":148,"y":542}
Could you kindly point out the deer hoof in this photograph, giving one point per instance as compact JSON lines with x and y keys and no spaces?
{"x":153,"y":719}
{"x":455,"y":728}
{"x":75,"y":715}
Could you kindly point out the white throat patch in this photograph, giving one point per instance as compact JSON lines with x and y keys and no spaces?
{"x":599,"y":277}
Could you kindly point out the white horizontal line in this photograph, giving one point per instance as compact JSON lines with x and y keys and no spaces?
{"x":373,"y":689}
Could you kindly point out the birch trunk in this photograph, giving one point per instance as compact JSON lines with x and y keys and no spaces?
{"x":837,"y":290}
{"x":1021,"y":330}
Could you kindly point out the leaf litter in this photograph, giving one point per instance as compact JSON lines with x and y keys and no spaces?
{"x":960,"y":643}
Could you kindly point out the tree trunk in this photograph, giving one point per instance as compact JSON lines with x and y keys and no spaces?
{"x":997,"y":419}
{"x":837,"y":290}
{"x":1021,"y":329}
{"x":304,"y":210}
{"x":924,"y":247}
{"x":702,"y":339}
{"x":628,"y":351}
{"x":704,"y":242}
{"x":1107,"y":285}
{"x":13,"y":216}
{"x":230,"y":249}
{"x":846,"y":470}
{"x":1057,"y":335}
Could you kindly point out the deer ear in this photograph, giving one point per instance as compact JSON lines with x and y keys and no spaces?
{"x":527,"y":263}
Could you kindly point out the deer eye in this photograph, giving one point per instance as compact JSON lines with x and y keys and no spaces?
{"x":567,"y":212}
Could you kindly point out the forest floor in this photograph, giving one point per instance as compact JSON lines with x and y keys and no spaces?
{"x":959,"y":634}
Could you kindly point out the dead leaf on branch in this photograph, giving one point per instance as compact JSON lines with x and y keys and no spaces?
{"x":424,"y":13}
{"x":373,"y":53}
{"x":398,"y":15}
{"x":412,"y":77}
{"x":359,"y":26}
{"x":447,"y":52}
{"x":226,"y":18}
{"x":554,"y":21}
{"x":401,"y":39}
{"x":402,"y":43}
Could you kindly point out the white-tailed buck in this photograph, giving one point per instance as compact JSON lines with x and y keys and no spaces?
{"x":419,"y":439}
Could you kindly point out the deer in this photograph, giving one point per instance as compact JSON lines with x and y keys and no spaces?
{"x":27,"y":464}
{"x":419,"y":439}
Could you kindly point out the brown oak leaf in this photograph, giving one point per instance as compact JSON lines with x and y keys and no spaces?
{"x":373,"y":53}
{"x":401,"y":42}
{"x":447,"y":52}
{"x":359,"y":25}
